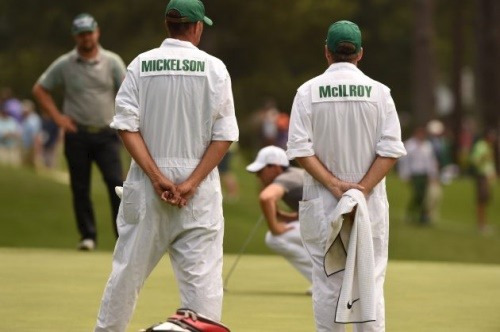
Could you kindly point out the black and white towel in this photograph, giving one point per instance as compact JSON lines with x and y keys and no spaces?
{"x":349,"y":248}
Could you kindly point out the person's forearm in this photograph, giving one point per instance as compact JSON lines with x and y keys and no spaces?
{"x":315,"y":167}
{"x":378,"y":170}
{"x":135,"y":145}
{"x":287,"y":216}
{"x":212,"y":157}
{"x":269,"y":210}
{"x":318,"y":171}
{"x":46,"y":102}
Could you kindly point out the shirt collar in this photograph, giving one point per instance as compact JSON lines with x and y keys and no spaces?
{"x":343,"y":66}
{"x":169,"y":42}
{"x":98,"y":58}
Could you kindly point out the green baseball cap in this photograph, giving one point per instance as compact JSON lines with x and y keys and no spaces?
{"x":189,"y":10}
{"x":83,"y":23}
{"x":343,"y":32}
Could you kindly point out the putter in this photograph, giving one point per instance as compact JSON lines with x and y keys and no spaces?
{"x":240,"y":253}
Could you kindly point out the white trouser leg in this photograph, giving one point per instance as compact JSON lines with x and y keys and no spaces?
{"x":326,"y":290}
{"x":197,"y":264}
{"x":380,"y":250}
{"x":137,"y":252}
{"x":289,"y":245}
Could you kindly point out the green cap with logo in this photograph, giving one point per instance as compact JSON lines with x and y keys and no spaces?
{"x":343,"y":32}
{"x":83,"y":23}
{"x":189,"y":11}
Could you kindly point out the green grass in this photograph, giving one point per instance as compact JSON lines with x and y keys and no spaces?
{"x":36,"y":212}
{"x":55,"y":290}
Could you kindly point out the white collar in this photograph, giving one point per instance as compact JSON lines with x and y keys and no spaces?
{"x":177,"y":43}
{"x":342,"y":66}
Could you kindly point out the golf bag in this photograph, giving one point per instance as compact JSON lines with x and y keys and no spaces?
{"x":185,"y":320}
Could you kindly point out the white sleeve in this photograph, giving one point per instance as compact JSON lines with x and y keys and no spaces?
{"x":404,"y":169}
{"x":225,"y":127}
{"x":127,"y":101}
{"x":390,"y":144}
{"x":300,"y":143}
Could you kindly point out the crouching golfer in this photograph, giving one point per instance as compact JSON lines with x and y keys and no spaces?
{"x":175,"y":115}
{"x":281,"y":182}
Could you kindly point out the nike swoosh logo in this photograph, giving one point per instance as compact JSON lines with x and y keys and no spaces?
{"x":349,"y":305}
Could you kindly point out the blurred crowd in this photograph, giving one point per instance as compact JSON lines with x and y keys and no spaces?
{"x":435,"y":158}
{"x":432,"y":162}
{"x":27,"y":137}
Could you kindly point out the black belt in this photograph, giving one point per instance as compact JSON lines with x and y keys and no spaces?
{"x":92,"y":129}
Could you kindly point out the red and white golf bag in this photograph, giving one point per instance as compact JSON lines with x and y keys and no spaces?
{"x":185,"y":320}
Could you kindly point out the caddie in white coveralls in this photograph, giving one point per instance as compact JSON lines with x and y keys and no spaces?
{"x":175,"y":114}
{"x":345,"y":132}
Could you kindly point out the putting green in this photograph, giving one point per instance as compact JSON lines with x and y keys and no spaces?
{"x":52,"y":290}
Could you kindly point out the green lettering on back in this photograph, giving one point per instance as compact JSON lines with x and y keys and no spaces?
{"x":368,"y":90}
{"x":201,"y":65}
{"x":146,"y":66}
{"x":192,"y":65}
{"x":352,"y":91}
{"x":159,"y":64}
{"x":361,"y":91}
{"x":325,"y":91}
{"x":335,"y":91}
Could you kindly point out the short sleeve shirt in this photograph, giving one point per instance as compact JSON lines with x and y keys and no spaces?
{"x":89,"y":86}
{"x":292,"y":180}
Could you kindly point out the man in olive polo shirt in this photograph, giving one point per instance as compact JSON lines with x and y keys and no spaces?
{"x":90,"y":77}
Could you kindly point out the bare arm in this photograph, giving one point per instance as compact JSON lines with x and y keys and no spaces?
{"x":268,"y":200}
{"x":44,"y":98}
{"x":378,"y":170}
{"x":318,"y":171}
{"x":212,"y":157}
{"x":135,"y":145}
{"x":287,"y":216}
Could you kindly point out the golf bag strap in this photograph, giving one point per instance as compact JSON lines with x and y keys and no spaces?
{"x":194,"y":322}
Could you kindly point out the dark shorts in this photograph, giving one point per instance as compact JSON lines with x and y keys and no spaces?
{"x":225,"y":163}
{"x":483,"y":189}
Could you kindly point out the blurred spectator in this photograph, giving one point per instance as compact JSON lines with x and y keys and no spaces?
{"x":11,"y":105}
{"x":51,"y":139}
{"x":483,"y":161}
{"x":228,"y":179}
{"x":269,"y":128}
{"x":10,"y":136}
{"x":31,"y":127}
{"x":465,"y":142}
{"x":441,"y":147}
{"x":282,"y":123}
{"x":420,"y":167}
{"x":90,"y":76}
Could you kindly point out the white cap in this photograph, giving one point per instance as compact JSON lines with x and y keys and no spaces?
{"x":435,"y":127}
{"x":270,"y":155}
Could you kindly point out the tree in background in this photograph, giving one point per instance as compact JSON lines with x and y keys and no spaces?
{"x":487,"y":68}
{"x":424,"y":70}
{"x":271,"y":47}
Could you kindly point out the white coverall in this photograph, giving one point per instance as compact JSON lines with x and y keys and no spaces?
{"x":346,"y":119}
{"x":289,"y":245}
{"x":179,"y":98}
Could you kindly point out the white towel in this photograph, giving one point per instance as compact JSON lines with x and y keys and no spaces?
{"x":349,"y":247}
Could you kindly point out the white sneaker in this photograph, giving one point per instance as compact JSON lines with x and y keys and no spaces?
{"x":86,"y":245}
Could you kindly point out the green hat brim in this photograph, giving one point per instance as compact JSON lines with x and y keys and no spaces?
{"x":208,"y":21}
{"x":79,"y":31}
